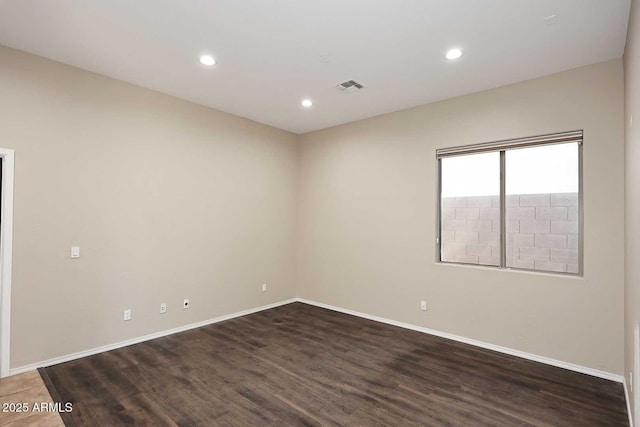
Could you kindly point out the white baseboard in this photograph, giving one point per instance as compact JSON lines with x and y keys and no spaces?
{"x":500,"y":349}
{"x":627,"y":399}
{"x":96,"y":350}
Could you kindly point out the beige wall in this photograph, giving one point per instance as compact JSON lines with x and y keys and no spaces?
{"x":368,"y":220}
{"x":166,"y":199}
{"x":632,"y":197}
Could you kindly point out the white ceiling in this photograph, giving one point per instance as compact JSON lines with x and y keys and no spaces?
{"x":272,"y":53}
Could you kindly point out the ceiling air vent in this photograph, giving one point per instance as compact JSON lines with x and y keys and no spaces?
{"x":350,"y":86}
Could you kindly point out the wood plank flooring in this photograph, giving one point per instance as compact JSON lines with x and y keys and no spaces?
{"x":25,"y":388}
{"x":299,"y":365}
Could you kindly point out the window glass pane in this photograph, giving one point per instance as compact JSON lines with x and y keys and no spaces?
{"x":542,"y":208}
{"x":470,"y":209}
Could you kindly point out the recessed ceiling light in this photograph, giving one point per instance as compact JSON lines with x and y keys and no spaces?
{"x":306,"y":103}
{"x":207,"y":60}
{"x":453,"y":54}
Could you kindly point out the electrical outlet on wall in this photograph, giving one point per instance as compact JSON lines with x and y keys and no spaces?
{"x":423,"y":305}
{"x":163,"y":308}
{"x":185,"y":303}
{"x":127,"y":314}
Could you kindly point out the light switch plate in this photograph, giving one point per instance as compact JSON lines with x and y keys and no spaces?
{"x":75,"y":252}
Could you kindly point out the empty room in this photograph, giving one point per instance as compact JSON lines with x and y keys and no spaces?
{"x":314,"y":213}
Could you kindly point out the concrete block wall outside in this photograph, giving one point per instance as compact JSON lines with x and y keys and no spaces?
{"x":542,"y":231}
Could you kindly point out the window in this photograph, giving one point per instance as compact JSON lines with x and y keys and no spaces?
{"x":513,"y":204}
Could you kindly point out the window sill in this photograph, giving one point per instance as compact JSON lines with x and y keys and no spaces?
{"x":511,"y":270}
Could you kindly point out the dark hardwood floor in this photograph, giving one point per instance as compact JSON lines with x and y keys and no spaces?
{"x":303,"y":365}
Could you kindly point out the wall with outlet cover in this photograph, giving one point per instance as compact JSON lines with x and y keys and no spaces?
{"x":632,"y":208}
{"x":367,"y":233}
{"x":166,"y":199}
